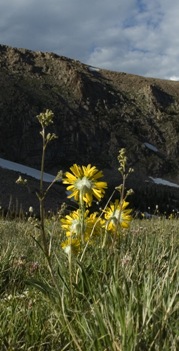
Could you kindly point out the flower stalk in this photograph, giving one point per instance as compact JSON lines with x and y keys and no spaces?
{"x":45,"y":119}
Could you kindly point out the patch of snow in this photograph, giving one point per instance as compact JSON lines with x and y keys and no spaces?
{"x":95,"y":69}
{"x":151,"y":147}
{"x":164,"y":182}
{"x":175,"y":78}
{"x":13,"y":166}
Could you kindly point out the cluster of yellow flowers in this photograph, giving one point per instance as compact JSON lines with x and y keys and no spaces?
{"x":80,"y":226}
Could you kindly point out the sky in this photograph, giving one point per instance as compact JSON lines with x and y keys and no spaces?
{"x":133,"y":36}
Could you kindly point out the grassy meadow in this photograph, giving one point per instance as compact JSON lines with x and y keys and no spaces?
{"x":126,"y":299}
{"x":88,"y":281}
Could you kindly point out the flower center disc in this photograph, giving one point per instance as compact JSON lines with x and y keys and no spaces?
{"x":84,"y":184}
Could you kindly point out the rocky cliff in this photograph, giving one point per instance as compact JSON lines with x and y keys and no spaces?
{"x":97,"y":112}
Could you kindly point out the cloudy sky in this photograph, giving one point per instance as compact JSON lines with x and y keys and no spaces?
{"x":133,"y":36}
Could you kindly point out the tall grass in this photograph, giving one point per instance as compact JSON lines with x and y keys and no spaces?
{"x":125,"y":300}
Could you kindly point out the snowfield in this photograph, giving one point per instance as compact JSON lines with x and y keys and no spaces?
{"x":13,"y":166}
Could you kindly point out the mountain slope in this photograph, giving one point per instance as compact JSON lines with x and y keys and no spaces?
{"x":96,"y":113}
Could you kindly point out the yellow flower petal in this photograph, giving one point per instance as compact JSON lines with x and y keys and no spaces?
{"x":82,"y":181}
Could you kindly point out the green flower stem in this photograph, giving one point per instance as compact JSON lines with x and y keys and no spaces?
{"x":42,"y":160}
{"x":70,"y":269}
{"x":45,"y":119}
{"x":105,"y":237}
{"x":82,"y":211}
{"x":120,"y":211}
{"x":42,"y":197}
{"x":106,"y":231}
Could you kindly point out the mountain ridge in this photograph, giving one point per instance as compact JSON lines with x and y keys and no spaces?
{"x":97,"y":112}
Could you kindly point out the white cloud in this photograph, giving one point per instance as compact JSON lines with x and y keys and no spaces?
{"x":135,"y":36}
{"x":175,"y":78}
